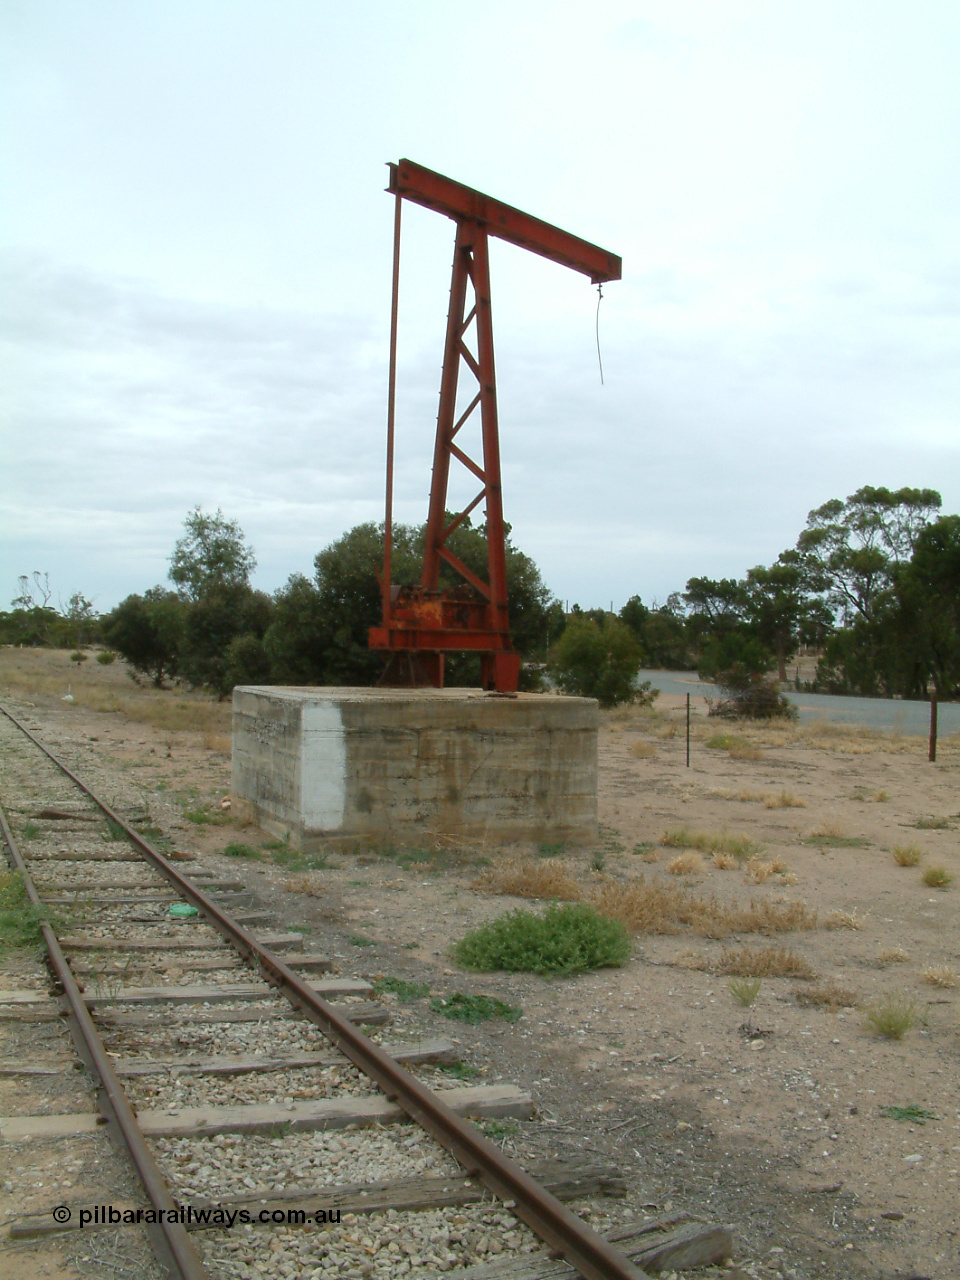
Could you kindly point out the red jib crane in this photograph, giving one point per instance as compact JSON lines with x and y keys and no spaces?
{"x":421,"y":622}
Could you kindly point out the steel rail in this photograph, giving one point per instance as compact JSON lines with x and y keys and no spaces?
{"x":173,"y":1248}
{"x":565,"y":1234}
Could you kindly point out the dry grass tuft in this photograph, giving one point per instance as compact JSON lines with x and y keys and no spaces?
{"x":896,"y":955}
{"x":548,"y":879}
{"x":725,"y":861}
{"x":309,"y":885}
{"x":643,"y":750}
{"x":643,"y":907}
{"x":686,"y":864}
{"x":879,"y":797}
{"x":907,"y":855}
{"x":941,"y":976}
{"x":937,"y":877}
{"x":844,"y":920}
{"x":655,"y":908}
{"x":763,"y":962}
{"x":893,"y":1016}
{"x":783,"y":800}
{"x":770,"y":917}
{"x":758,"y":872}
{"x":710,"y":842}
{"x":829,"y":995}
{"x":745,"y":751}
{"x":769,"y":799}
{"x":830,"y":831}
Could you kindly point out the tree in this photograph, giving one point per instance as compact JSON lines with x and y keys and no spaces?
{"x":661,"y":632}
{"x":320,"y":629}
{"x":211,"y":556}
{"x":928,"y":597}
{"x":147,"y":631}
{"x":211,"y":624}
{"x":781,"y":608}
{"x":33,"y":620}
{"x":716,"y":607}
{"x":296,"y":640}
{"x":851,"y":549}
{"x":78,"y":613}
{"x":594,"y":660}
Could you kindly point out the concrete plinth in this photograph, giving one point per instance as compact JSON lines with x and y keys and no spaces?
{"x":403,"y":765}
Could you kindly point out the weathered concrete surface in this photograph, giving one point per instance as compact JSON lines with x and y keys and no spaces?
{"x":405,"y":764}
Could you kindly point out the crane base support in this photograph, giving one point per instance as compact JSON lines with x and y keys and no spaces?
{"x":331,"y":765}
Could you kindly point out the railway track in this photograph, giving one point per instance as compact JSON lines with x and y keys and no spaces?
{"x":232,"y":1071}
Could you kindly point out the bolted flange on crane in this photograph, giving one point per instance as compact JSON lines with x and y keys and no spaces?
{"x":423,"y":621}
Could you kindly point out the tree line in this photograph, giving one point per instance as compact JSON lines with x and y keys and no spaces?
{"x":872,"y":585}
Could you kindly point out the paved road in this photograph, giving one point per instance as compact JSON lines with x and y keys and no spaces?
{"x":877,"y":713}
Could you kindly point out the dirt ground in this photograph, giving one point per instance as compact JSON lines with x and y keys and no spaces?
{"x":770,"y":1117}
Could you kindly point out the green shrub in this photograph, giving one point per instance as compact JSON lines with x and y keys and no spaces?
{"x":591,"y":660}
{"x":473,"y":1009}
{"x":105,"y":657}
{"x":566,"y":939}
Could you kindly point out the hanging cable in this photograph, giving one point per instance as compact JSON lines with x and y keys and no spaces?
{"x":599,"y":357}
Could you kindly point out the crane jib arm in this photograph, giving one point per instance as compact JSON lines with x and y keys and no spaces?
{"x":434,"y":191}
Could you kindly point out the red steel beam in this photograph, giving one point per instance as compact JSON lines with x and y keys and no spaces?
{"x":434,"y":191}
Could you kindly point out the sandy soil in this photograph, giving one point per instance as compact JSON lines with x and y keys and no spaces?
{"x":768,"y":1117}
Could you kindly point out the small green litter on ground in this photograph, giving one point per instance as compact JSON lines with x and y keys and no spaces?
{"x":566,"y":939}
{"x":473,"y":1009}
{"x":912,"y":1113}
{"x":182,"y":910}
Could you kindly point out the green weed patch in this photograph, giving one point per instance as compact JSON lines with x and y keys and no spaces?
{"x":566,"y":939}
{"x":20,"y":920}
{"x":403,"y":990}
{"x":462,"y":1007}
{"x":236,"y":849}
{"x":911,"y":1113}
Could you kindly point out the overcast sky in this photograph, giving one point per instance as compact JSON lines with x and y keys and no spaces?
{"x":196,"y":251}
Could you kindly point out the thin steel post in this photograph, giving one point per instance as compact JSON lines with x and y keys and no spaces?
{"x":446,"y":413}
{"x":932,"y":752}
{"x":391,"y":416}
{"x":688,"y":731}
{"x":496,"y":538}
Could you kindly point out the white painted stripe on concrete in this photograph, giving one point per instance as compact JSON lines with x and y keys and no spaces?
{"x":323,"y":767}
